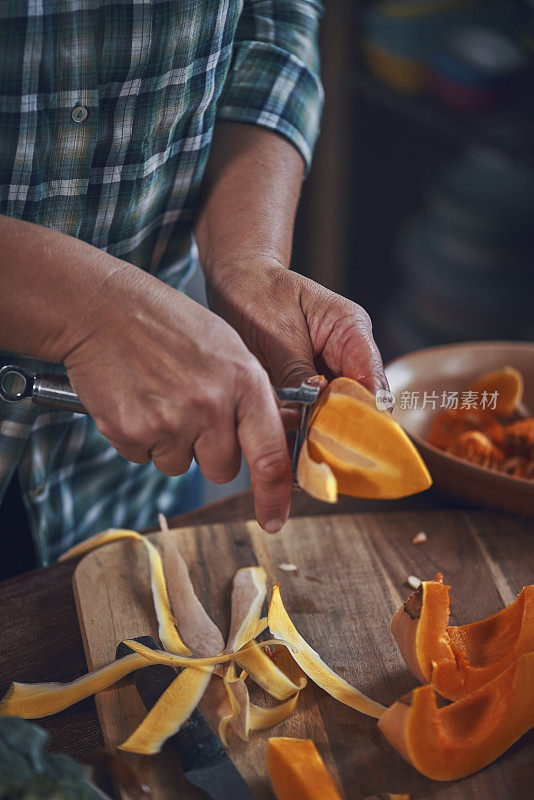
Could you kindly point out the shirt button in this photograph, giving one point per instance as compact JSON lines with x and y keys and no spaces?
{"x":79,"y":114}
{"x":39,"y":492}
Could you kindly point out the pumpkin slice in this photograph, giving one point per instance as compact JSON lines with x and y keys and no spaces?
{"x":33,"y":701}
{"x":389,"y":796}
{"x":368,"y":454}
{"x":459,"y":659}
{"x":311,"y":663}
{"x":507,"y":383}
{"x":458,"y":739}
{"x":297,"y":770}
{"x":171,"y":710}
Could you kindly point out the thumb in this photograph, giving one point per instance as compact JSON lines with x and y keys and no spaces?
{"x":291,"y":365}
{"x":291,"y":362}
{"x":361,"y":359}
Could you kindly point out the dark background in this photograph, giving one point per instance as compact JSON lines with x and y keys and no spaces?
{"x":420,"y":207}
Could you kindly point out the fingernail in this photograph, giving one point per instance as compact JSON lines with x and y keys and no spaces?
{"x":273,"y":525}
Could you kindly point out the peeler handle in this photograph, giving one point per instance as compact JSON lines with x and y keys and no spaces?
{"x":55,"y":391}
{"x":50,"y":391}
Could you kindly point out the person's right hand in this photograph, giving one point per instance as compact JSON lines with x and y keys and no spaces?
{"x":166,"y":379}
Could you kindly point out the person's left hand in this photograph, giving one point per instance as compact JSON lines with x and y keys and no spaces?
{"x":295,"y":327}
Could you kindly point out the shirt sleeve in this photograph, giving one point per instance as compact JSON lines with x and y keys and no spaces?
{"x":274,"y":78}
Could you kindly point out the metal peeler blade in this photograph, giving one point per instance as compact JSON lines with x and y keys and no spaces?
{"x":304,"y":395}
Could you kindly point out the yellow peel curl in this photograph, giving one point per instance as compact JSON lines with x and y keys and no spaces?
{"x":311,"y":663}
{"x":33,"y":701}
{"x":173,"y":708}
{"x":167,"y":630}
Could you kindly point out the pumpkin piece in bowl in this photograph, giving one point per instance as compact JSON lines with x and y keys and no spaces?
{"x":493,"y":436}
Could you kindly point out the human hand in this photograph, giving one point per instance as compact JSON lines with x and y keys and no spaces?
{"x":166,"y":379}
{"x":294,"y":326}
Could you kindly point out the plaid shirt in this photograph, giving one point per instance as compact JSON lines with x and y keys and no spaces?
{"x":107,"y":112}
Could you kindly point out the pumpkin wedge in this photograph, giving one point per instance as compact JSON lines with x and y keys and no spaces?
{"x":297,"y":770}
{"x":460,"y":659}
{"x":507,"y":383}
{"x":367,"y":453}
{"x":458,"y":739}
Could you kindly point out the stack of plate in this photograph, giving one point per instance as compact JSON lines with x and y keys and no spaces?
{"x":404,"y":42}
{"x":465,"y":262}
{"x":475,"y":67}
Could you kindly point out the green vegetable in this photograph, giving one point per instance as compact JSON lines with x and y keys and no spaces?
{"x":29,"y":772}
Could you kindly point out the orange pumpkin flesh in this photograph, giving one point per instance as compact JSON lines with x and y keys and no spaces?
{"x":447,"y":426}
{"x":297,"y":770}
{"x":458,"y":739}
{"x":507,"y":382}
{"x":460,"y":659}
{"x":367,"y":452}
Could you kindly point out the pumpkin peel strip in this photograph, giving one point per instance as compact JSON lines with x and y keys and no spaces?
{"x":248,"y":593}
{"x":167,"y":629}
{"x":311,"y":663}
{"x":33,"y":701}
{"x":265,"y":673}
{"x":175,"y":660}
{"x":238,"y":706}
{"x":249,"y":590}
{"x":171,"y":710}
{"x":262,"y":718}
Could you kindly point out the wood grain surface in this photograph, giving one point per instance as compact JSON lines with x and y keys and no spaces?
{"x":351,"y":576}
{"x":41,"y":638}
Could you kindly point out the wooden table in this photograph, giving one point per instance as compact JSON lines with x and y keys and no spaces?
{"x":41,"y":641}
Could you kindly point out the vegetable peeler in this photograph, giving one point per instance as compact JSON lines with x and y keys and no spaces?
{"x":55,"y":391}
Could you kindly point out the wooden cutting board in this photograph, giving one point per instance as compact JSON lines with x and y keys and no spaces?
{"x":351,"y":577}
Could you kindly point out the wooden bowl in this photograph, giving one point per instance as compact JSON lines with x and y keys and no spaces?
{"x":451,"y":368}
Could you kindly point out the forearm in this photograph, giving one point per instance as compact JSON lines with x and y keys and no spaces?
{"x":48,"y":282}
{"x":249,"y":198}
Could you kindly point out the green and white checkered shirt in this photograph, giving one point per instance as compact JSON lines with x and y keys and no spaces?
{"x":107,"y":110}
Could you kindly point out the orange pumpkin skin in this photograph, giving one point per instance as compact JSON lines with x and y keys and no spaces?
{"x":458,"y":739}
{"x":460,"y":659}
